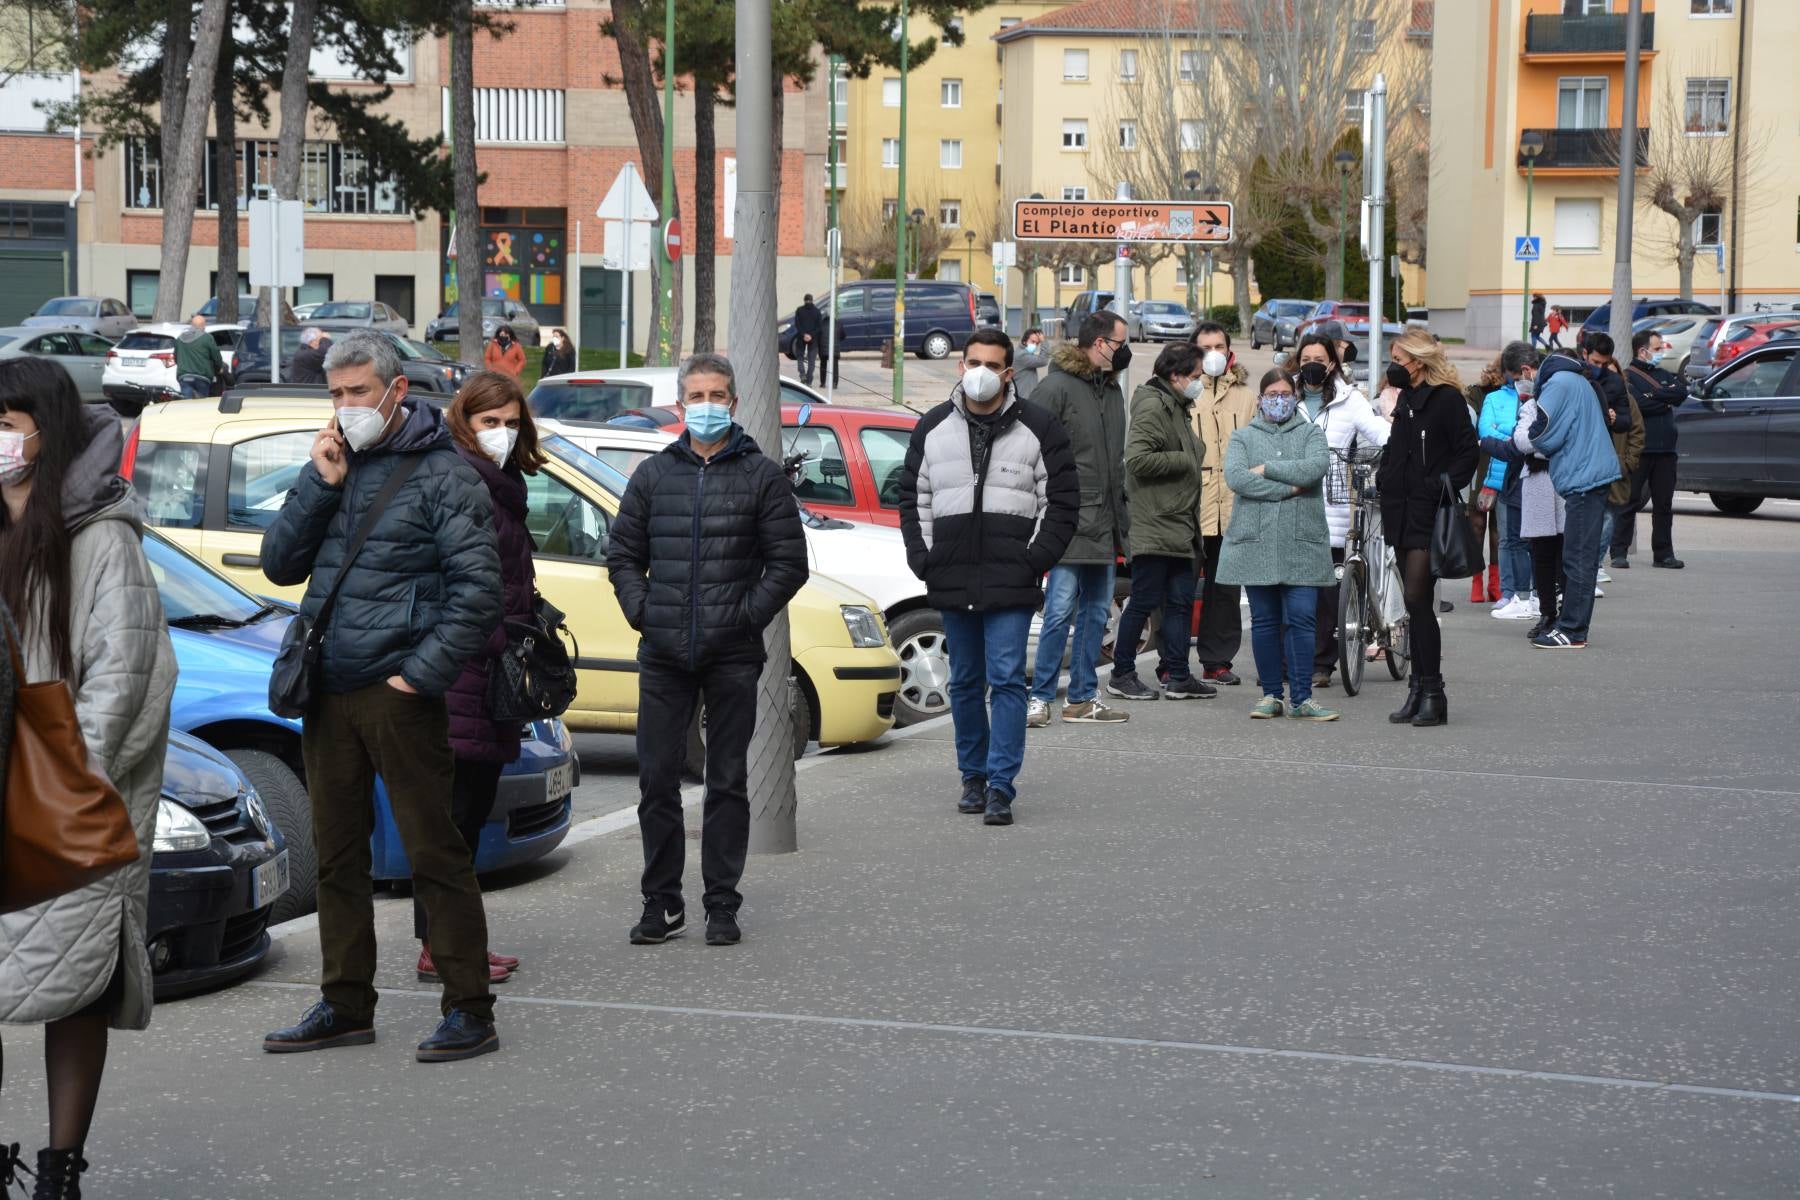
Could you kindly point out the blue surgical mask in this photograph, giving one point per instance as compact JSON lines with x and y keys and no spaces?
{"x":708,"y":422}
{"x":1278,"y":406}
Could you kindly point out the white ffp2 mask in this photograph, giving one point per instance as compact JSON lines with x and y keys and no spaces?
{"x":497,"y":444}
{"x":980,"y":384}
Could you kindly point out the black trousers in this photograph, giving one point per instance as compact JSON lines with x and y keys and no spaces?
{"x":1653,"y":486}
{"x":472,"y":791}
{"x":1221,"y":633}
{"x":1422,"y":631}
{"x":1325,"y":632}
{"x":1547,"y":575}
{"x":667,"y":697}
{"x":806,"y":354}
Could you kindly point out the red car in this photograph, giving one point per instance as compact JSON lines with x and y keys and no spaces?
{"x":853,"y":459}
{"x":1749,"y":338}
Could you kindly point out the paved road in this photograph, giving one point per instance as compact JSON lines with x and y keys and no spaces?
{"x":1547,"y":950}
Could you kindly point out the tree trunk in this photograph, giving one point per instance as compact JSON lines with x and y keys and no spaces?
{"x":178,"y":51}
{"x":1684,"y":259}
{"x":470,"y":284}
{"x":290,"y":144}
{"x":705,"y":219}
{"x":181,"y":176}
{"x":225,"y":183}
{"x":780,"y":103}
{"x":641,"y":99}
{"x":1327,"y":234}
{"x":1028,"y":297}
{"x":1240,"y":284}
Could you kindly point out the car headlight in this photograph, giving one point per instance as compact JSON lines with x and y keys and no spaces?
{"x":177,"y":829}
{"x":259,"y":815}
{"x":864,"y":626}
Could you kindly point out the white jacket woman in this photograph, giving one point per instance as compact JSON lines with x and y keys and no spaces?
{"x":1345,"y":415}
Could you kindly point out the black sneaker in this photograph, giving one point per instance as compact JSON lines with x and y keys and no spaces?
{"x":1129,"y":687}
{"x":458,"y":1036}
{"x":722,"y":928}
{"x":659,"y":924}
{"x":999,"y":810}
{"x":1222,"y":676}
{"x":974,"y":796}
{"x":1621,"y":563}
{"x":322,"y":1028}
{"x":1538,"y":630}
{"x":1669,"y":564}
{"x":1189,"y":689}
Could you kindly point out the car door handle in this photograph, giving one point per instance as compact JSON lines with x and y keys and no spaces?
{"x":243,"y":560}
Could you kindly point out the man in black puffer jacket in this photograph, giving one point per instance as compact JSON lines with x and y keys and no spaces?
{"x":1658,"y":393}
{"x":416,"y":604}
{"x":708,"y":549}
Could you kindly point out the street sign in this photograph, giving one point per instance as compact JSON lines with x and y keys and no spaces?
{"x":672,"y":238}
{"x":1005,"y":254}
{"x":1121,"y":221}
{"x":1525,"y":249}
{"x":834,"y":244}
{"x":277,"y":243}
{"x":626,"y":199}
{"x":613,"y":256}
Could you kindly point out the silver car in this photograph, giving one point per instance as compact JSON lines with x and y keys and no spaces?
{"x":96,"y":314}
{"x":344,"y":315}
{"x":1162,"y":321}
{"x":81,"y":353}
{"x":495,"y":312}
{"x":1273,"y":324}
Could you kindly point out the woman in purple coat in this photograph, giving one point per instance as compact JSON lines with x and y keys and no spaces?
{"x":494,"y":433}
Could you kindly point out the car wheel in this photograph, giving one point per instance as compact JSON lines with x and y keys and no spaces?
{"x":1737,"y":506}
{"x":937,"y":345}
{"x":284,"y":796}
{"x":1254,"y":343}
{"x":799,"y":717}
{"x":918,"y":638}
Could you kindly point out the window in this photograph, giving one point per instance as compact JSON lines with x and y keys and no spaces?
{"x":950,"y":270}
{"x":1353,"y":106}
{"x":886,"y":451}
{"x":955,"y":26}
{"x":140,"y":292}
{"x":950,"y":213}
{"x":890,"y":209}
{"x":1584,"y":8}
{"x":1128,"y":135}
{"x":1755,"y":380}
{"x":396,"y":291}
{"x":890,"y":152}
{"x":563,"y":524}
{"x":1072,"y":275}
{"x":1074,"y":135}
{"x":840,"y":87}
{"x":890,"y":93}
{"x":1075,"y":65}
{"x":852,"y":301}
{"x":1128,"y":66}
{"x":170,"y":478}
{"x":1074,"y":193}
{"x":1193,"y":134}
{"x":316,"y":290}
{"x":1191,"y":66}
{"x":1362,"y":36}
{"x":333,"y":178}
{"x":533,"y":115}
{"x":1707,"y":228}
{"x":1581,"y":102}
{"x":1708,"y":106}
{"x":263,"y":471}
{"x":950,"y":93}
{"x":950,"y":152}
{"x":1578,"y":225}
{"x":1712,"y":8}
{"x":824,"y":475}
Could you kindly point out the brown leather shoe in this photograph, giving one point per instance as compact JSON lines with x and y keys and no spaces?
{"x":428,"y":972}
{"x":505,"y":962}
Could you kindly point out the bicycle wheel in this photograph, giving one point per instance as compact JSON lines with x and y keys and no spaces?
{"x":1353,"y":624}
{"x":1399,"y":649}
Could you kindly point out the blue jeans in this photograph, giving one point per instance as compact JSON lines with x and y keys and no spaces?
{"x":1606,"y":533}
{"x":1515,"y":554}
{"x":1081,"y":595}
{"x":1283,"y":652}
{"x":987,"y":655}
{"x":1158,"y":581}
{"x":1584,"y":513}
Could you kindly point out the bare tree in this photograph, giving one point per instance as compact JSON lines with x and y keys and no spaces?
{"x":35,"y":37}
{"x":868,"y":234}
{"x":182,"y":183}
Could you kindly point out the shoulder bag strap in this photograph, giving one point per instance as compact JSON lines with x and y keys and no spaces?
{"x":395,"y":480}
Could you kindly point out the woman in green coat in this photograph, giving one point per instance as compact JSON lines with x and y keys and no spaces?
{"x":1278,"y":546}
{"x":1163,"y":465}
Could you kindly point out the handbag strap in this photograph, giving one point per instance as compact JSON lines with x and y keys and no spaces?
{"x":389,"y":489}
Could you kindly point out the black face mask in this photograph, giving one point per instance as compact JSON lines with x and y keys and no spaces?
{"x":1314,"y":374}
{"x":1397,"y":376}
{"x":1121,"y":356}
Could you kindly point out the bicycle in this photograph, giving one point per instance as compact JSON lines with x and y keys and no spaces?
{"x":1368,"y":583}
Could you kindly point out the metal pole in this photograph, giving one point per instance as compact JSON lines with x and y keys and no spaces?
{"x":835,"y":248}
{"x":1530,"y":178}
{"x":1621,"y":282}
{"x":575,"y":325}
{"x":771,"y":758}
{"x":1005,"y":301}
{"x":625,"y":272}
{"x":900,"y":232}
{"x":274,"y":292}
{"x":1377,"y":201}
{"x":663,"y":304}
{"x":1122,"y":282}
{"x":1343,"y":215}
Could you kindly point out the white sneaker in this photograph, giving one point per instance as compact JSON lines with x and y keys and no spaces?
{"x":1602,"y":576}
{"x":1037,"y":714}
{"x":1598,"y":594}
{"x":1516,"y":609}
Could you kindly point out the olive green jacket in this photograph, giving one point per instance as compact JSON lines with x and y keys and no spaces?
{"x":1275,"y":535}
{"x":1164,"y":463}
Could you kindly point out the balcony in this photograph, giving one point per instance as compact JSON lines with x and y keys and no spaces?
{"x":1600,"y":35}
{"x":1584,"y":151}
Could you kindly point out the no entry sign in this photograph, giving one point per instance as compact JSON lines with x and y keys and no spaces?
{"x":672,"y":238}
{"x":1121,"y":221}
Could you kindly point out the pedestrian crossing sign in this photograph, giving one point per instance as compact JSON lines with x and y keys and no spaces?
{"x":1525,"y":249}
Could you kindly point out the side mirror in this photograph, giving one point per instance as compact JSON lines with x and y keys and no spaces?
{"x":1281,"y":358}
{"x":805,"y":413}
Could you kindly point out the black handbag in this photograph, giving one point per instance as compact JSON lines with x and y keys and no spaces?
{"x":292,"y":678}
{"x":1455,"y":550}
{"x":534,"y":677}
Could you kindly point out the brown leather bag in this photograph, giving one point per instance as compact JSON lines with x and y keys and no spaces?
{"x":65,"y":823}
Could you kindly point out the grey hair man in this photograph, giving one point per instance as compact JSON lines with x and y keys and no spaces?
{"x":394,"y":532}
{"x":308,"y":364}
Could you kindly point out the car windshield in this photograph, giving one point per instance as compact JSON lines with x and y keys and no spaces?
{"x":1164,"y":308}
{"x":145,"y":341}
{"x":489,"y":308}
{"x":571,"y":455}
{"x":70,"y":306}
{"x":588,"y":399}
{"x":1293,"y":308}
{"x":343,"y":310}
{"x":419,"y":350}
{"x":192,"y":593}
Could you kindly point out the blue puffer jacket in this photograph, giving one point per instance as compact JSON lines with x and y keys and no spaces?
{"x":1571,"y":429}
{"x":425,"y":592}
{"x":1499,"y":414}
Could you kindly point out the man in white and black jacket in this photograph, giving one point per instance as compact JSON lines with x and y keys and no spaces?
{"x":988,"y":502}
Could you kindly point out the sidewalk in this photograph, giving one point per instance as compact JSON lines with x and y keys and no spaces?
{"x":1544,"y":950}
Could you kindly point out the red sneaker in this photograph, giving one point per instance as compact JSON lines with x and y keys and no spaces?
{"x":428,"y":972}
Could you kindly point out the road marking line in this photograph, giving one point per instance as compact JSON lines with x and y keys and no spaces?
{"x":1092,"y":1039}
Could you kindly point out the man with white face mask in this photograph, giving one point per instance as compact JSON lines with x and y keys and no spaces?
{"x":390,"y":525}
{"x":989,"y":496}
{"x":1225,"y":405}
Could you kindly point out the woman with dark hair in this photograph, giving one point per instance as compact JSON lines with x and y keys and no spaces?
{"x":1338,"y":407}
{"x":1275,"y":546}
{"x":504,"y":354}
{"x":1433,"y":442}
{"x":559,"y":355}
{"x":494,"y":433}
{"x":73,"y":573}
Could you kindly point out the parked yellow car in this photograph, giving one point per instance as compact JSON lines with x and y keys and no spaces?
{"x":213,"y":474}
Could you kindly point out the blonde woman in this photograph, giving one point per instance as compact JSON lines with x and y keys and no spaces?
{"x":1432,"y":440}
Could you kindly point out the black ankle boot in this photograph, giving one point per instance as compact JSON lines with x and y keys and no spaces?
{"x":10,"y":1166}
{"x":1406,"y":712}
{"x":1434,"y":707}
{"x":59,"y":1175}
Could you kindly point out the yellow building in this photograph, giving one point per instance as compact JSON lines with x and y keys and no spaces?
{"x":1719,"y":106}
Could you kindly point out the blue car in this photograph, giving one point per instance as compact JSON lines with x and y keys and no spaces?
{"x":226,"y":640}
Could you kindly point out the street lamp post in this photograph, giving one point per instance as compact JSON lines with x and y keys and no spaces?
{"x":916,"y":219}
{"x":969,"y":240}
{"x":1192,"y":179}
{"x":1531,"y":144}
{"x":1212,"y":194}
{"x":1344,"y":159}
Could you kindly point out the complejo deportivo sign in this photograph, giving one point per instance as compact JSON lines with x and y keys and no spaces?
{"x":1121,"y":221}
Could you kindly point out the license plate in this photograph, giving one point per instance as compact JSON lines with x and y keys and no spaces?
{"x":269,"y":881}
{"x":129,"y":360}
{"x":559,"y":781}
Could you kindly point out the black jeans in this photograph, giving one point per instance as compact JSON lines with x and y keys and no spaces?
{"x":806,"y":354}
{"x":472,"y":791}
{"x":666,"y":700}
{"x":1325,"y":624}
{"x":1652,"y":485}
{"x":1221,"y":624}
{"x":1547,"y":575}
{"x":1158,"y":581}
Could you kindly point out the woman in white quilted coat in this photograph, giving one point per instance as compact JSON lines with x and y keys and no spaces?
{"x":72,"y":570}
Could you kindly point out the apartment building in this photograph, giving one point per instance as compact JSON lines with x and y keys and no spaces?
{"x":1528,"y":110}
{"x":553,"y":136}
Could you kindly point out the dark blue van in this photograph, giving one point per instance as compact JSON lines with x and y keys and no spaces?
{"x":939,"y":316}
